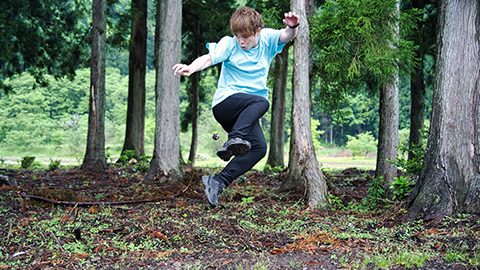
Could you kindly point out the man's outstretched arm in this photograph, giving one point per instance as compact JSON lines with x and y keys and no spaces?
{"x":291,"y":20}
{"x":198,"y":64}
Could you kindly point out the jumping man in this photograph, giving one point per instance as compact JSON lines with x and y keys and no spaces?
{"x":241,"y":98}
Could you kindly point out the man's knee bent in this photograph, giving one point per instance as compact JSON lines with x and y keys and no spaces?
{"x":263,"y":105}
{"x":262,"y":151}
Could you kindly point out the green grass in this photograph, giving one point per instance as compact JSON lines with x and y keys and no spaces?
{"x":205,"y":157}
{"x":347,"y":162}
{"x":406,"y":258}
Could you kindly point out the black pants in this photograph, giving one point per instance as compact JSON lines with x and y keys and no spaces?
{"x":239,"y":115}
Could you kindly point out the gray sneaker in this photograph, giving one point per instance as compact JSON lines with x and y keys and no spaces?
{"x":233,"y":147}
{"x":212,"y":189}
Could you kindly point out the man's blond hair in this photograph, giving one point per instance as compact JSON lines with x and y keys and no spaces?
{"x":246,"y":22}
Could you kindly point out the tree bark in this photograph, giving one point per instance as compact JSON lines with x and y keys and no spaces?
{"x":417,"y":88}
{"x":95,"y":153}
{"x":388,"y":127}
{"x":303,"y":168}
{"x":194,"y":103}
{"x":135,"y":126}
{"x":388,"y":132}
{"x":166,"y":154}
{"x":417,"y":105}
{"x":277,"y":126}
{"x":450,"y":179}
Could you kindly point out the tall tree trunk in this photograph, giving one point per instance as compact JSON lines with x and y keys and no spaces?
{"x":303,"y":168}
{"x":194,"y":103}
{"x":166,"y":154}
{"x":417,"y":105}
{"x":417,"y":88}
{"x":135,"y":126}
{"x":388,"y":127}
{"x":277,"y":137}
{"x":450,"y":179}
{"x":95,"y":153}
{"x":388,"y":132}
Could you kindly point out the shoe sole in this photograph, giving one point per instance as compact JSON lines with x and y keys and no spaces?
{"x":207,"y":194}
{"x":225,"y":155}
{"x":238,"y":149}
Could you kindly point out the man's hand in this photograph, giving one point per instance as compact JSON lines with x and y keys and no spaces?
{"x":291,"y":19}
{"x":198,"y":64}
{"x":182,"y":69}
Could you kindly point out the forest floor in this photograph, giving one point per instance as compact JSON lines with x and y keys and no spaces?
{"x":255,"y":228}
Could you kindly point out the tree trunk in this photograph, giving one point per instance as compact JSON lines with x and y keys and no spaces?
{"x":388,"y":132}
{"x":166,"y":154}
{"x":388,"y":127}
{"x":194,"y":103}
{"x":95,"y":153}
{"x":450,"y":179}
{"x":417,"y":88}
{"x":303,"y":168}
{"x":417,"y":105}
{"x":135,"y":126}
{"x":277,"y":135}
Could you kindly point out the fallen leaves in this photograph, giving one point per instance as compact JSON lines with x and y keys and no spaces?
{"x":93,"y":209}
{"x":81,"y":256}
{"x":5,"y":188}
{"x":158,"y":235}
{"x":181,"y":203}
{"x":25,"y":221}
{"x":152,"y":254}
{"x":181,"y":229}
{"x":319,"y":241}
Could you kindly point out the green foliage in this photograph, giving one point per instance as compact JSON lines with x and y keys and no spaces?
{"x":143,"y":164}
{"x":272,"y":11}
{"x":118,"y":23}
{"x":200,"y":27}
{"x":272,"y":170}
{"x":55,"y":117}
{"x":361,"y":144}
{"x":358,"y":110}
{"x":352,"y":42}
{"x":126,"y":156}
{"x":42,"y":37}
{"x":316,"y":133}
{"x":26,"y":162}
{"x":456,"y":256}
{"x":376,"y":192}
{"x":407,"y":258}
{"x":248,"y":200}
{"x":54,"y":164}
{"x":130,"y":159}
{"x":412,"y":166}
{"x":56,"y":111}
{"x":401,"y":186}
{"x":335,"y":201}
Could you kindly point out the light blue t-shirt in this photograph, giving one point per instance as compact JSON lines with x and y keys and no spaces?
{"x":244,"y":71}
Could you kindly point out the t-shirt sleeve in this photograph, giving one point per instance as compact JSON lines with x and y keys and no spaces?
{"x":220,"y":51}
{"x":273,"y":39}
